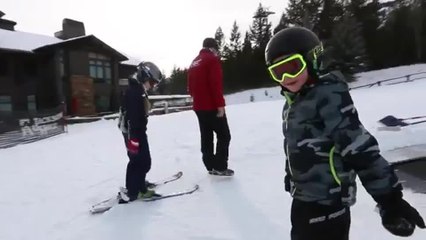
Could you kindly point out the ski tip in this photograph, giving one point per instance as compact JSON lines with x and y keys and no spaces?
{"x":94,"y":211}
{"x":195,"y":188}
{"x":179,"y":174}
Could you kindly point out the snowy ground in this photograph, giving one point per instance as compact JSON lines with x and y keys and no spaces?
{"x":48,"y":187}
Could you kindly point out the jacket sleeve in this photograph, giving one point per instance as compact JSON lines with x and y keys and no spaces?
{"x":358,"y":148}
{"x":287,"y":177}
{"x":136,"y":115}
{"x":215,"y":82}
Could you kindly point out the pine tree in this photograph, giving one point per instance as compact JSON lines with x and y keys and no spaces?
{"x":304,"y":12}
{"x":177,"y":81}
{"x":247,"y":47}
{"x":220,"y":39}
{"x":260,"y":30}
{"x":237,"y":70}
{"x":417,"y":19}
{"x":400,"y":35}
{"x":235,"y":44}
{"x":329,"y":14}
{"x":347,"y":47}
{"x":231,"y":50}
{"x":366,"y":12}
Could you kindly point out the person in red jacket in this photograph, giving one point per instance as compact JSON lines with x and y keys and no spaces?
{"x":205,"y":85}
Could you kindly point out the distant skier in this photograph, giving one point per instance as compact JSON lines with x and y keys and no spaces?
{"x":206,"y":88}
{"x":133,"y":122}
{"x":327,"y":146}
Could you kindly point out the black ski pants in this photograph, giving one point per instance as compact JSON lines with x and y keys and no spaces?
{"x":137,"y":168}
{"x":210,"y":124}
{"x":313,"y":221}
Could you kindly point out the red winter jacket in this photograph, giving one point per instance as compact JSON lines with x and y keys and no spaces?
{"x":205,"y":81}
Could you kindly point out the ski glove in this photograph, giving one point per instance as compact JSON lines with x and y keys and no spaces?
{"x":133,"y":146}
{"x":287,"y":183}
{"x":398,"y":216}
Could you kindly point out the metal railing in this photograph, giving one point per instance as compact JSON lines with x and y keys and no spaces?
{"x":161,"y":104}
{"x":393,"y":81}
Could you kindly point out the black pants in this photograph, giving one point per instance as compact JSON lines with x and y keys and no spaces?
{"x":312,"y":221}
{"x":209,"y":124}
{"x":137,"y":168}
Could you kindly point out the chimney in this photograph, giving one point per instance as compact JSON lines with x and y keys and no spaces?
{"x":71,"y":29}
{"x":6,"y":24}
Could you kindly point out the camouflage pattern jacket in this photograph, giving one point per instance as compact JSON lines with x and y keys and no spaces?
{"x":327,"y":146}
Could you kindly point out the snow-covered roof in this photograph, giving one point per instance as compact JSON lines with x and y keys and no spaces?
{"x":66,"y":40}
{"x":29,"y":42}
{"x":88,"y":39}
{"x":23,"y":41}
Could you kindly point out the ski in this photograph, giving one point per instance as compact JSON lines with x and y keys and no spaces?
{"x":174,"y":194}
{"x":107,"y":204}
{"x":166,"y":180}
{"x":110,"y":203}
{"x":104,"y":206}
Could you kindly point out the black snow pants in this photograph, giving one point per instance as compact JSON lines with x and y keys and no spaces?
{"x":137,"y":168}
{"x":313,"y":221}
{"x":210,"y":124}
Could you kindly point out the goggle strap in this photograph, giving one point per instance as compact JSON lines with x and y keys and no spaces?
{"x":314,"y":54}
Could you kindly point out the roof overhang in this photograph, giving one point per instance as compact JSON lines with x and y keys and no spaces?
{"x":89,"y":40}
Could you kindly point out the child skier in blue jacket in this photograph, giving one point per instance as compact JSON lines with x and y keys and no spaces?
{"x":133,"y":122}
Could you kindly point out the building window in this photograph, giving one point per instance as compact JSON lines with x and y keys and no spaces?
{"x":5,"y":104}
{"x":102,"y":103}
{"x":26,"y":71}
{"x":100,"y":68}
{"x":30,"y":68}
{"x":4,"y":67}
{"x":31,"y":103}
{"x":61,"y":63}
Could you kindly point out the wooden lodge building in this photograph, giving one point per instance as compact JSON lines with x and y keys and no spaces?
{"x":76,"y":71}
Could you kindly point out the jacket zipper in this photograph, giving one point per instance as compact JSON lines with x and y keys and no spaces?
{"x":292,"y":187}
{"x":289,"y":102}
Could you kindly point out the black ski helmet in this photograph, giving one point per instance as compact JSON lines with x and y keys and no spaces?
{"x":295,"y":40}
{"x":148,"y":71}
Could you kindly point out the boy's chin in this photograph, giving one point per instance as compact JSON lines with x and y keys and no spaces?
{"x":293,"y":88}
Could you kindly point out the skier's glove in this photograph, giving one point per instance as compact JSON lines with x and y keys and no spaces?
{"x":287,"y":183}
{"x":133,"y":146}
{"x":398,"y":216}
